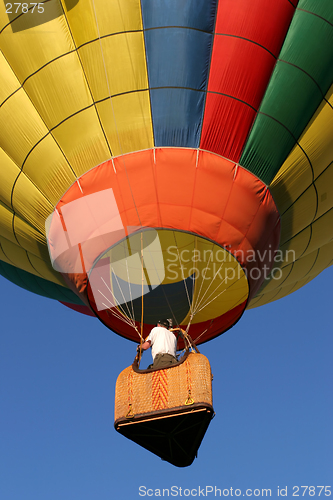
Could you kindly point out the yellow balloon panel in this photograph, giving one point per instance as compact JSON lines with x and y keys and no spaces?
{"x":8,"y":173}
{"x":48,"y":168}
{"x":20,"y":258}
{"x":24,"y":127}
{"x":292,"y":179}
{"x":30,"y":239}
{"x":82,"y":140}
{"x":9,"y":82}
{"x":127,"y":122}
{"x":324,"y":259}
{"x":320,"y":234}
{"x":115,"y":64}
{"x":90,"y":19}
{"x":46,"y":271}
{"x":317,"y":138}
{"x":320,"y":258}
{"x":27,"y":50}
{"x":307,"y":241}
{"x":59,"y":90}
{"x":296,"y":246}
{"x":17,"y":256}
{"x":30,"y":203}
{"x":20,"y":233}
{"x":301,"y":269}
{"x":300,"y":214}
{"x":324,"y":187}
{"x":6,"y":224}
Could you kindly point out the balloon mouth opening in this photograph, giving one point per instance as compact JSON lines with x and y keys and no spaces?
{"x":168,"y":273}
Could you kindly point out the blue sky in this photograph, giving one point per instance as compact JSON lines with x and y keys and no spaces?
{"x":272,"y":394}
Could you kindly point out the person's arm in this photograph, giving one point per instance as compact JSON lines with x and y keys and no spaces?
{"x":144,"y":346}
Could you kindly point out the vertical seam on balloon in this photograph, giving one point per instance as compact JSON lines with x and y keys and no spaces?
{"x":153,"y":167}
{"x":309,"y":241}
{"x":317,"y":200}
{"x":213,"y":34}
{"x":13,"y":229}
{"x":194,"y":185}
{"x":147,"y":70}
{"x":86,"y":79}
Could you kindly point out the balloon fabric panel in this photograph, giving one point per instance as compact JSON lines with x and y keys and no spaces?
{"x":306,"y":175}
{"x":177,"y":61}
{"x":243,"y":58}
{"x":195,"y":14}
{"x":301,"y":78}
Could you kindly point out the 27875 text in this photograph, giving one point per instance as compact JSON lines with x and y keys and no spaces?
{"x":24,"y":8}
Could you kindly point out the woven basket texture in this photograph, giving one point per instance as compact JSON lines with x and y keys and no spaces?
{"x":141,"y":393}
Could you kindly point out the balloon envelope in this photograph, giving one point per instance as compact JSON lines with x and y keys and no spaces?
{"x":207,"y":124}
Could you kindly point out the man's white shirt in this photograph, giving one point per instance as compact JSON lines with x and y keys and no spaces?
{"x":162,"y":341}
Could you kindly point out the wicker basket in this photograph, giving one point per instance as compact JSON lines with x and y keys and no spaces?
{"x":182,"y":385}
{"x":151,"y":404}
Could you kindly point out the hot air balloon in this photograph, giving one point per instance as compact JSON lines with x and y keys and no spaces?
{"x":166,"y":158}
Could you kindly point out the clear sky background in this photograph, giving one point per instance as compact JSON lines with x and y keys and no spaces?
{"x":272,"y":392}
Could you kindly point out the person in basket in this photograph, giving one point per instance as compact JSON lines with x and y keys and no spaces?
{"x":163,"y":345}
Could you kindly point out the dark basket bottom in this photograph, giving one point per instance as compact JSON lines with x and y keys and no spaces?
{"x":175,"y":436}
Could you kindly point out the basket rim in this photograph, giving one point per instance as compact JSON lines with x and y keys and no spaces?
{"x":165,"y":413}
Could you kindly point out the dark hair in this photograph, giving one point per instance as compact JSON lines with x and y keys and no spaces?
{"x":164,"y":322}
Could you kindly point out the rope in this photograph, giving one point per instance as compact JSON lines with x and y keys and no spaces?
{"x":118,"y":303}
{"x":142,"y":277}
{"x":202,"y":281}
{"x":207,"y":303}
{"x":182,"y":269}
